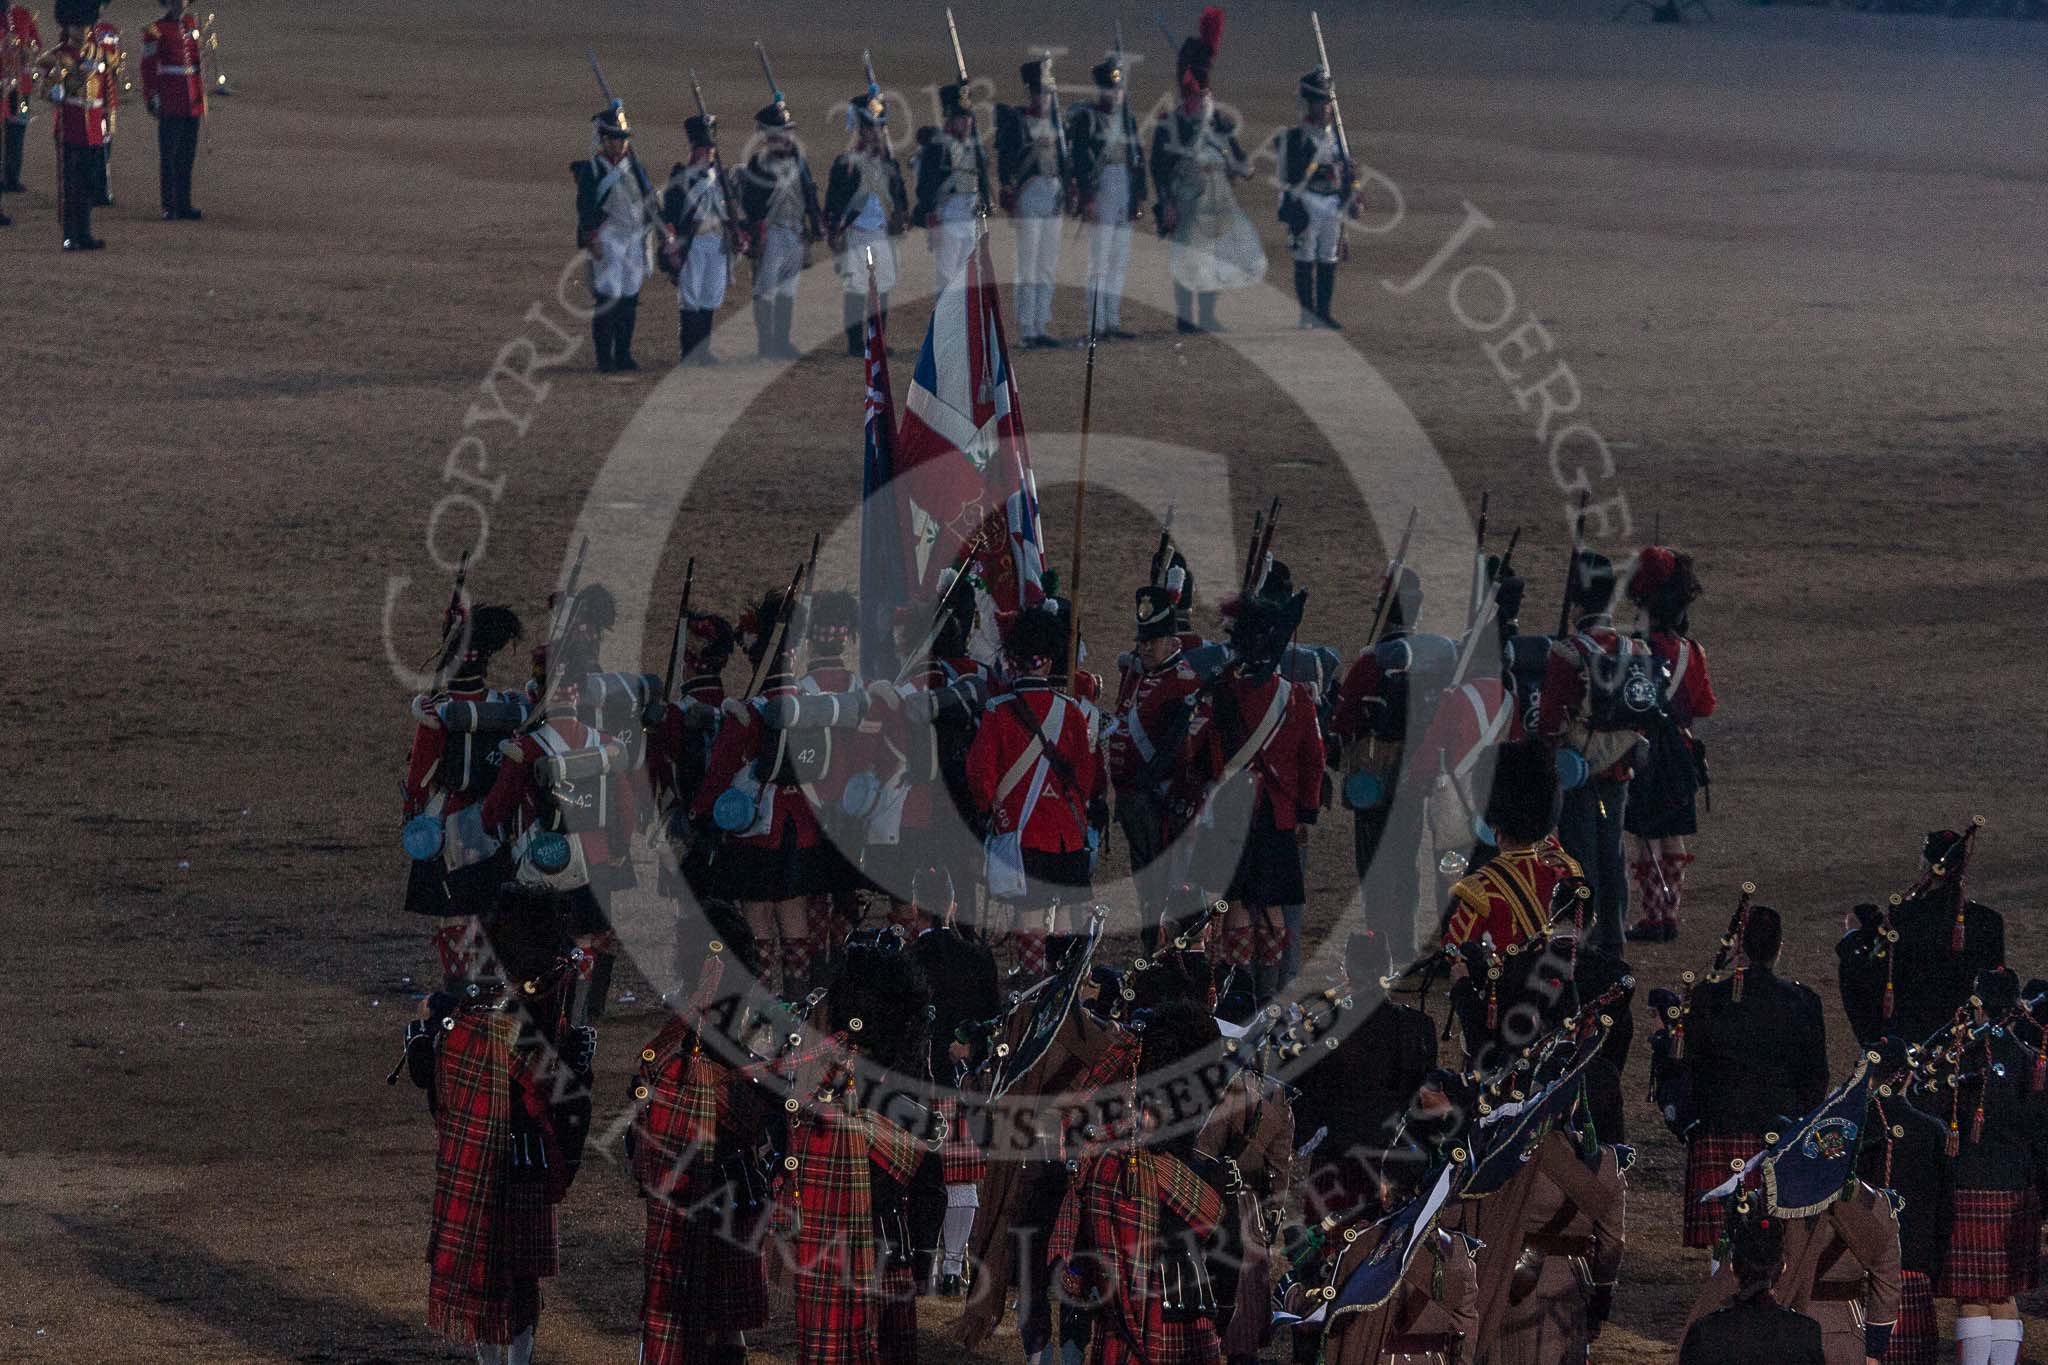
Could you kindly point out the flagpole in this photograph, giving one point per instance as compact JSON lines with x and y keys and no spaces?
{"x":1080,"y":506}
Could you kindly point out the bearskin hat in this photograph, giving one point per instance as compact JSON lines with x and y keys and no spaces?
{"x":528,"y":931}
{"x":829,"y":611}
{"x":1405,"y":608}
{"x":1033,"y":635}
{"x":757,"y":624}
{"x":1507,"y":598}
{"x":593,"y":612}
{"x":1525,"y":799}
{"x":491,"y":628}
{"x":701,"y":130}
{"x":1592,"y":581}
{"x":1663,"y":584}
{"x":1198,"y":52}
{"x":709,"y":640}
{"x":1998,"y":990}
{"x":881,"y":1001}
{"x":1262,"y":626}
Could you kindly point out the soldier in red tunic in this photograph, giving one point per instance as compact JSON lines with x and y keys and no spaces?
{"x":174,"y":87}
{"x":679,"y":748}
{"x":453,"y":766}
{"x":1256,"y":744}
{"x":74,"y":79}
{"x":1663,"y":798}
{"x":1154,"y":710}
{"x":1508,"y":899}
{"x":21,"y":48}
{"x":1035,"y":772}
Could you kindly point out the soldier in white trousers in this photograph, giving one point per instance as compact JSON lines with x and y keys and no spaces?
{"x":1315,"y":192}
{"x":780,"y":203}
{"x":1031,"y":164}
{"x":1108,"y":164}
{"x":952,"y":185}
{"x":866,"y":209}
{"x":694,"y":207}
{"x":612,"y":211}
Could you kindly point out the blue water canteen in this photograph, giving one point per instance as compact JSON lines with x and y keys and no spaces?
{"x":1364,"y":790}
{"x":733,"y":811}
{"x":863,"y":789}
{"x":1572,"y":769}
{"x":1483,"y":832}
{"x":549,"y":852}
{"x":421,"y":837}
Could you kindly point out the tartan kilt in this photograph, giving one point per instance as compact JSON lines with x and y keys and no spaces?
{"x":896,"y":1316}
{"x":1165,"y":1343}
{"x":960,"y":1157}
{"x":1914,"y":1338}
{"x":702,"y":1279}
{"x":1709,"y":1161}
{"x":1993,"y":1245}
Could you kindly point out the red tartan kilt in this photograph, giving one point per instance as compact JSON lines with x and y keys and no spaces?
{"x":699,"y":1282}
{"x":960,"y":1157}
{"x":1709,"y":1161}
{"x":532,"y":1245}
{"x":1994,"y":1245}
{"x":1914,"y":1339}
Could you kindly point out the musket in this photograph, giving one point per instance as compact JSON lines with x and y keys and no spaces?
{"x":1478,"y":563}
{"x":973,"y":122}
{"x":452,"y":622}
{"x":675,"y":644}
{"x":810,"y":590}
{"x":558,"y":631}
{"x":1385,"y":606}
{"x":732,"y":210}
{"x":1080,"y":505}
{"x":1059,"y":130}
{"x":779,"y":627}
{"x":960,"y":578}
{"x":1571,"y":570}
{"x":803,"y":166}
{"x":604,"y":86}
{"x":1262,"y":556}
{"x":1251,"y":550}
{"x":1336,"y":111}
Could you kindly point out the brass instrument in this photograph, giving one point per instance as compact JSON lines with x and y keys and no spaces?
{"x":209,"y":59}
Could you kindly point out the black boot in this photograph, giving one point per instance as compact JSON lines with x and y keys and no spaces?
{"x":1207,"y":312}
{"x":1326,"y":286}
{"x":10,"y":160}
{"x":622,"y":333}
{"x":686,"y":336}
{"x":1305,"y":292}
{"x":601,"y":332}
{"x":1184,"y":310}
{"x":785,"y":314}
{"x":700,"y":353}
{"x":764,"y":328}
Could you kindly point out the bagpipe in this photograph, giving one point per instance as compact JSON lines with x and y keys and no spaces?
{"x":1671,"y":1010}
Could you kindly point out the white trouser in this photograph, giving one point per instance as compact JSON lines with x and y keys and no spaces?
{"x":1038,"y":223}
{"x":707,"y":270}
{"x":1109,"y":246}
{"x":1319,"y":240}
{"x":781,"y":263}
{"x":953,"y":238}
{"x":962,"y":1203}
{"x":518,"y":1353}
{"x":853,"y":260}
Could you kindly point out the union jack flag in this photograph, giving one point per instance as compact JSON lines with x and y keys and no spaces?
{"x":963,"y":464}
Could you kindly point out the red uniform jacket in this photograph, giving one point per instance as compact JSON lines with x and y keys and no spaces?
{"x":1288,"y":767}
{"x":76,"y":79}
{"x":1361,"y":685}
{"x":1469,"y":719}
{"x":1509,"y":898}
{"x":1058,"y":822}
{"x":1144,"y":716}
{"x":173,"y":68}
{"x":21,"y":46}
{"x":740,"y":736}
{"x":677,"y":755}
{"x":514,"y":803}
{"x":1691,"y":691}
{"x":108,"y":37}
{"x":1564,"y":682}
{"x":428,"y":742}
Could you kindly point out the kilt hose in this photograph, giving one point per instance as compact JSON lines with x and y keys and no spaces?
{"x":1709,"y":1161}
{"x":493,"y":1237}
{"x":1914,"y":1338}
{"x":1994,"y":1246}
